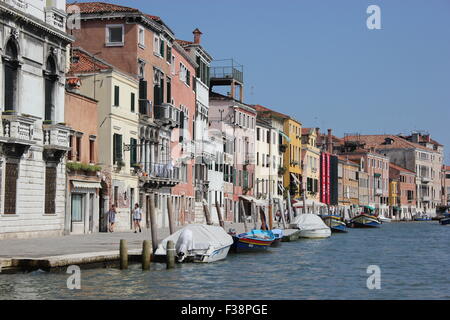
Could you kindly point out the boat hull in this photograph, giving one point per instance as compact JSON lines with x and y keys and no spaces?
{"x":335,"y":224}
{"x":364,"y":221}
{"x":245,"y":244}
{"x":315,"y":234}
{"x":445,"y":221}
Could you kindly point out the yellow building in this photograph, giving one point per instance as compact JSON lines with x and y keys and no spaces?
{"x":293,"y":156}
{"x":310,"y":164}
{"x":393,"y":193}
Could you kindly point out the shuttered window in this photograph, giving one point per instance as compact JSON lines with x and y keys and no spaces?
{"x":116,"y":96}
{"x":133,"y":101}
{"x":133,"y":151}
{"x":117,"y":148}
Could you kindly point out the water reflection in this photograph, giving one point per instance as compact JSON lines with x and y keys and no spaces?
{"x":411,"y":256}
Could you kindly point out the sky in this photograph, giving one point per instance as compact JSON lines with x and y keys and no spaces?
{"x":317,"y":61}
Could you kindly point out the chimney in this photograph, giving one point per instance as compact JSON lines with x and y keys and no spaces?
{"x":330,"y":141}
{"x":197,"y":36}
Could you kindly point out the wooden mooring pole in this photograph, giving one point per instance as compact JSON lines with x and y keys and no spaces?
{"x":123,"y":252}
{"x":170,"y":213}
{"x":219,"y":215}
{"x":243,"y":215}
{"x":153,"y":227}
{"x":146,"y":254}
{"x":170,"y":252}
{"x":207,"y":214}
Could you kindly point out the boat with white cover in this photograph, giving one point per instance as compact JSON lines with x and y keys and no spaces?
{"x":311,"y":226}
{"x":197,"y":243}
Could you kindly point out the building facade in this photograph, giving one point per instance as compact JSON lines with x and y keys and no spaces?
{"x":293,"y":157}
{"x":310,"y":164}
{"x":33,"y":136}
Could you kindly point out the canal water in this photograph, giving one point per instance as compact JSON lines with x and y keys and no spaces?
{"x":413,"y":259}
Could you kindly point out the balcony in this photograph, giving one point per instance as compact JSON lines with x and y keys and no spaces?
{"x":56,"y":141}
{"x":17,"y":133}
{"x":168,"y":115}
{"x":55,"y":18}
{"x":378,"y":192}
{"x":160,"y":175}
{"x":426,"y":199}
{"x":225,"y":70}
{"x":283,"y":148}
{"x":426,"y":180}
{"x":144,"y":107}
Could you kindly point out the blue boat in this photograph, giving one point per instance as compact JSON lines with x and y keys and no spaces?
{"x":335,"y":223}
{"x":278,"y":233}
{"x":365,"y":221}
{"x":255,"y":240}
{"x":446,"y":220}
{"x":423,"y":217}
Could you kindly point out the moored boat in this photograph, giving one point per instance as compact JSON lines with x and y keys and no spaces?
{"x":422,"y":217}
{"x":384,"y":219}
{"x":255,"y":240}
{"x":365,"y":221}
{"x":197,"y":243}
{"x":278,"y":233}
{"x":311,"y":226}
{"x":445,"y":220}
{"x":335,"y":223}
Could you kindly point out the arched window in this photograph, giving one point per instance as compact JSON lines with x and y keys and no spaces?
{"x":50,"y":78}
{"x":11,"y":66}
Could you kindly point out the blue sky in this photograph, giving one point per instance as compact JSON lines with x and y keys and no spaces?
{"x":317,"y":61}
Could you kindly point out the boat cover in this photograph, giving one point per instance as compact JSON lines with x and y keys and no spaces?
{"x":201,"y":237}
{"x":309,"y":222}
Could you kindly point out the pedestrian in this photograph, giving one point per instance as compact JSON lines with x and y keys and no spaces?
{"x":137,"y":217}
{"x":112,"y":218}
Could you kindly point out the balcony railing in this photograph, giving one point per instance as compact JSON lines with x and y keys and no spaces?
{"x":17,"y":128}
{"x":227,"y":69}
{"x":426,"y":198}
{"x":144,"y":107}
{"x":56,"y":136}
{"x":378,"y":192}
{"x":426,"y":179}
{"x":164,"y":171}
{"x":167,"y":114}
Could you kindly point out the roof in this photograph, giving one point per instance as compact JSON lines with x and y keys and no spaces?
{"x":262,"y":109}
{"x":396,"y":167}
{"x":184,"y":42}
{"x":379,"y":142}
{"x":102,"y":7}
{"x":86,"y":63}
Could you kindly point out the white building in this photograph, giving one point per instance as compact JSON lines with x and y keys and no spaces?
{"x":33,"y":138}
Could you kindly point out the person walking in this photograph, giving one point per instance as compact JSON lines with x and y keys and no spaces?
{"x":137,"y":217}
{"x":112,"y":218}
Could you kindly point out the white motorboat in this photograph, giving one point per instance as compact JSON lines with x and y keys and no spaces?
{"x":384,"y":219}
{"x":311,"y":226}
{"x":198,"y":243}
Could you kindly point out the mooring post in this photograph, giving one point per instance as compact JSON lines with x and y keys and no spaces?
{"x":170,"y":254}
{"x":146,"y":254}
{"x":207,"y":214}
{"x":170,"y":213}
{"x":219,"y":215}
{"x":243,"y":215}
{"x":123,"y":254}
{"x":153,"y":222}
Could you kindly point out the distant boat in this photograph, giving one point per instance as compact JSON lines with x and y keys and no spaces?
{"x":422,"y":217}
{"x":446,"y":220}
{"x":255,"y":240}
{"x":365,"y":221}
{"x":335,"y":223}
{"x":279,"y":234}
{"x":311,"y":226}
{"x":197,"y":243}
{"x":384,"y":219}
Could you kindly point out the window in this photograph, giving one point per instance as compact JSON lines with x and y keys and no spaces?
{"x":161,"y":48}
{"x":77,"y":208}
{"x":117,"y":148}
{"x":258,"y":133}
{"x":11,"y":176}
{"x":91,"y":151}
{"x":156,"y":45}
{"x":10,"y":75}
{"x":133,"y":152}
{"x":50,"y":79}
{"x":116,"y":96}
{"x":169,"y":54}
{"x":116,"y":196}
{"x":114,"y":35}
{"x":141,"y":37}
{"x":133,"y":102}
{"x":50,"y":190}
{"x":70,"y":152}
{"x":169,"y":91}
{"x":268,"y":137}
{"x":78,"y":149}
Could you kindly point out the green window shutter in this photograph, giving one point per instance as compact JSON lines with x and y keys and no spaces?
{"x":133,"y":155}
{"x":117,"y":146}
{"x":114,"y":148}
{"x":116,"y":96}
{"x":162,"y":48}
{"x":133,"y":101}
{"x":188,"y":78}
{"x":169,"y":54}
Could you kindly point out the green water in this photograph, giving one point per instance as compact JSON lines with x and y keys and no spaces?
{"x":413,"y":258}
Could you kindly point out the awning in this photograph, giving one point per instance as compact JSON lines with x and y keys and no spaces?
{"x":285,"y":135}
{"x":86,"y":184}
{"x":369,"y":207}
{"x":296,"y":180}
